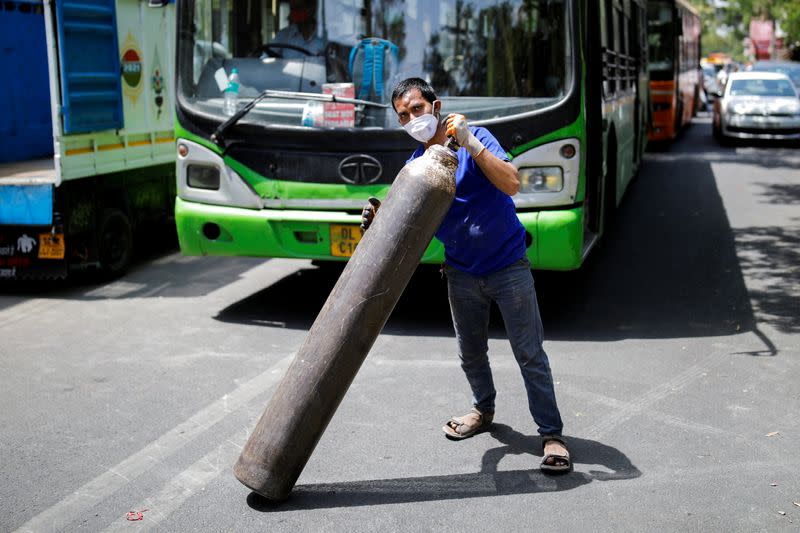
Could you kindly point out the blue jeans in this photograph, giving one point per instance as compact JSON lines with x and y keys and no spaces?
{"x":513,"y":290}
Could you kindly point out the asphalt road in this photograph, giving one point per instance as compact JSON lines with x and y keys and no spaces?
{"x":676,"y":353}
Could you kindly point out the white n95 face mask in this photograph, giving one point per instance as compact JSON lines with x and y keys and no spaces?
{"x":422,"y":128}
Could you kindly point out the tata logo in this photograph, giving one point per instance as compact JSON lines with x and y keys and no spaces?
{"x":360,"y":169}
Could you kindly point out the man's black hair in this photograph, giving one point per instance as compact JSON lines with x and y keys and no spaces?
{"x":413,"y":83}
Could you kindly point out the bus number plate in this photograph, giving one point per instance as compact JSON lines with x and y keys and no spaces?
{"x":51,"y":246}
{"x":344,"y":238}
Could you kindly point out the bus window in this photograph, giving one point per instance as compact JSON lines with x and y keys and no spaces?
{"x":515,"y":49}
{"x":604,"y":44}
{"x":625,"y":22}
{"x":660,"y":38}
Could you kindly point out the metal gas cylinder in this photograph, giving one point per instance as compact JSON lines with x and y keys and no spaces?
{"x":348,"y":324}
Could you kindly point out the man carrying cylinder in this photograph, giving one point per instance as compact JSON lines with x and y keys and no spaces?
{"x":485,"y":261}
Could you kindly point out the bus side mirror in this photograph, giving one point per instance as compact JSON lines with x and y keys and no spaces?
{"x":157,"y":3}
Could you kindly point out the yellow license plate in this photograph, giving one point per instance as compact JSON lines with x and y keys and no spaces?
{"x":344,"y":239}
{"x":51,"y":246}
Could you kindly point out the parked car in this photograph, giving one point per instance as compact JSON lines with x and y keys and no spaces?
{"x":757,"y":105}
{"x":790,"y":68}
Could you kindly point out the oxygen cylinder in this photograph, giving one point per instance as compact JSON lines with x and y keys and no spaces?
{"x":348,"y":324}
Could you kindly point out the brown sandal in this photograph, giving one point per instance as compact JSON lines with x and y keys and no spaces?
{"x":566,"y":462}
{"x":461,"y":427}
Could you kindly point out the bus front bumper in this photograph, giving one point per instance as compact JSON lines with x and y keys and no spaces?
{"x":555,"y":236}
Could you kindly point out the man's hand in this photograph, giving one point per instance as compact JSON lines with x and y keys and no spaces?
{"x":457,"y":128}
{"x":368,"y":214}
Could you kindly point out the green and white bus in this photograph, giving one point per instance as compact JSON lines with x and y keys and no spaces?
{"x":562,"y":84}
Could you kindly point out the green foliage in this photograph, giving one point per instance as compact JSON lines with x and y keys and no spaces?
{"x":725,"y":27}
{"x":730,"y":43}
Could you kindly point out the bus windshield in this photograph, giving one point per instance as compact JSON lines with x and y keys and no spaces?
{"x":660,"y":37}
{"x":485,"y":59}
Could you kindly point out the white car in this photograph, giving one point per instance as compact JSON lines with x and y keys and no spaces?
{"x":757,"y":105}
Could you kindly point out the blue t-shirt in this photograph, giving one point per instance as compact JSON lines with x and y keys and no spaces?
{"x":481,"y":232}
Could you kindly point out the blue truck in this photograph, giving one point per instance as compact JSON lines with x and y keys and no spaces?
{"x":87,"y":148}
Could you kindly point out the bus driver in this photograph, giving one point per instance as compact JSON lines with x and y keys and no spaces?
{"x":301,"y":31}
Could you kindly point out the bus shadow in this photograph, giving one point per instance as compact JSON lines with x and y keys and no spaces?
{"x":604,"y":462}
{"x":668,"y":268}
{"x":673,"y":266}
{"x":295,"y":301}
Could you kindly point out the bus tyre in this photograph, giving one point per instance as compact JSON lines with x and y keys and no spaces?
{"x":115,"y":242}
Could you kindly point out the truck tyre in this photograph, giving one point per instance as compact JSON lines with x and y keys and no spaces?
{"x":115,"y":242}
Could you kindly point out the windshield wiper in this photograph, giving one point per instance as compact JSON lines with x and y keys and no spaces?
{"x":218,"y":138}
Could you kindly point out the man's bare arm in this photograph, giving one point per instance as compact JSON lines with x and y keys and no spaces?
{"x":502,"y":174}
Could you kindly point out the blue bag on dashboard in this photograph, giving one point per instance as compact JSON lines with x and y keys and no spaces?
{"x":371,"y":63}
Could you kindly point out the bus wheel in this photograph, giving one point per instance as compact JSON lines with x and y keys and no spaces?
{"x":115,"y":238}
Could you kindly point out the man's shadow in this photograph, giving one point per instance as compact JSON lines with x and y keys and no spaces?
{"x":613,"y":465}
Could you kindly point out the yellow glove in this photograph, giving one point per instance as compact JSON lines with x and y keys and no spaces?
{"x":457,"y":128}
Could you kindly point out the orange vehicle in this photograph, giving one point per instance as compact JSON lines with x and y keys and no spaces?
{"x":718,"y":58}
{"x":674,"y":63}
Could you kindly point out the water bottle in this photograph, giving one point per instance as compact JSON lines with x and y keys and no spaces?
{"x":312,"y":114}
{"x":231,"y":94}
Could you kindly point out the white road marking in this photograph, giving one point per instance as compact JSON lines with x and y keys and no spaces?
{"x":76,"y":504}
{"x":182,"y":487}
{"x":603,"y":426}
{"x":653,"y":414}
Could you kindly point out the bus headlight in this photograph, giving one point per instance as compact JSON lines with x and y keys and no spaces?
{"x":541,"y":179}
{"x":548,"y":174}
{"x":202,"y":177}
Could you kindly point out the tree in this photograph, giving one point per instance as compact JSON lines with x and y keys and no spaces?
{"x":726,"y":24}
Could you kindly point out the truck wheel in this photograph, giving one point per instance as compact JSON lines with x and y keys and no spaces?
{"x":115,"y":238}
